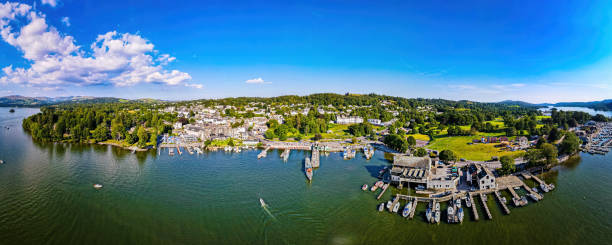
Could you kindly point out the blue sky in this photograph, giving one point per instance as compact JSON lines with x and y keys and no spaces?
{"x":537,"y":51}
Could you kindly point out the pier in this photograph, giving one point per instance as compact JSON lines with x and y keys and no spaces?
{"x":483,"y":197}
{"x":474,"y":209}
{"x":384,"y":188}
{"x":263,"y":153}
{"x":314,"y":157}
{"x":414,"y":206}
{"x":395,"y":200}
{"x":285,"y":154}
{"x":503,"y":204}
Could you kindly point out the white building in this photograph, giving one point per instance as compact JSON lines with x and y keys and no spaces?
{"x":348,"y":120}
{"x":486,"y":179}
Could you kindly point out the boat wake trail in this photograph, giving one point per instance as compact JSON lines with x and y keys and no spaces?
{"x":265,"y":208}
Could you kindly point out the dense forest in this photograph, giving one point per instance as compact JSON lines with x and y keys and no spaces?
{"x":131,"y":123}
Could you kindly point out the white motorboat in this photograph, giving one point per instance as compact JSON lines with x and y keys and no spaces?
{"x":389,"y":205}
{"x":381,"y":207}
{"x":396,"y":207}
{"x":407,"y":208}
{"x":97,"y":186}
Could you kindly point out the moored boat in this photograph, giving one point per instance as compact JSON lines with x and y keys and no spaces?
{"x":468,"y":202}
{"x":460,"y":214}
{"x":308,"y":168}
{"x":544,"y":187}
{"x":406,"y":210}
{"x":381,"y":207}
{"x":364,"y":187}
{"x":428,"y":213}
{"x":450,"y":213}
{"x":396,"y":207}
{"x":389,"y":205}
{"x":374,"y":187}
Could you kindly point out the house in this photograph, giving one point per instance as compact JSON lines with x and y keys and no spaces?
{"x":418,"y":170}
{"x":348,"y":120}
{"x":486,"y":179}
{"x":177,"y":125}
{"x":376,"y":122}
{"x":408,"y":169}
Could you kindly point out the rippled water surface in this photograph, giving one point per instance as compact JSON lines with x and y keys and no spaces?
{"x":46,"y":196}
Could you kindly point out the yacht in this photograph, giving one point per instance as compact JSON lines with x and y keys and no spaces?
{"x":381,"y":207}
{"x":450,"y":213}
{"x":396,"y":207}
{"x":308,"y":168}
{"x":460,"y":214}
{"x":544,"y":187}
{"x":407,"y":208}
{"x":389,"y":205}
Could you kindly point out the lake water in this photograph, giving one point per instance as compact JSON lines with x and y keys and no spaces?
{"x":46,"y":196}
{"x":582,"y":109}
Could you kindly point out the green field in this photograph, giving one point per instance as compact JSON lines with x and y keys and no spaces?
{"x":475,"y":152}
{"x":422,"y":137}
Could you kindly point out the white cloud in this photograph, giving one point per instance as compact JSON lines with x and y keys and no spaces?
{"x":194,"y":85}
{"x":51,"y":3}
{"x":258,"y":80}
{"x":66,"y":21}
{"x":120,"y":59}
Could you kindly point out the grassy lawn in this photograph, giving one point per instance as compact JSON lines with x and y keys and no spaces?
{"x":499,"y":123}
{"x":419,"y":136}
{"x":223,"y":143}
{"x":476,"y":152}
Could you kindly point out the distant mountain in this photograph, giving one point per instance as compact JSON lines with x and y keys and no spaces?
{"x":604,"y":105}
{"x":519,"y":103}
{"x":24,"y":101}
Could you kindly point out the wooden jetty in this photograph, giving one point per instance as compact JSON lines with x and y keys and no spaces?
{"x":285,"y":154}
{"x":315,"y":158}
{"x":382,"y":192}
{"x":263,"y":153}
{"x":503,"y":204}
{"x":414,"y":206}
{"x":396,"y":200}
{"x":516,"y":199}
{"x":483,"y":197}
{"x":474,"y":209}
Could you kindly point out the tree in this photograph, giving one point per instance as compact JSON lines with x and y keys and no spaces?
{"x":570,"y":144}
{"x":354,"y":140}
{"x":411,"y":141}
{"x":507,"y":164}
{"x":553,"y":135}
{"x":101,"y":133}
{"x":420,"y":152}
{"x":549,"y":152}
{"x":510,"y":131}
{"x":396,"y":142}
{"x":269,"y":134}
{"x":448,"y":156}
{"x":142,"y":137}
{"x":231,"y":142}
{"x":318,"y":137}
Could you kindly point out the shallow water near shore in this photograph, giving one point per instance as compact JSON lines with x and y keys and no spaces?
{"x":47,"y":196}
